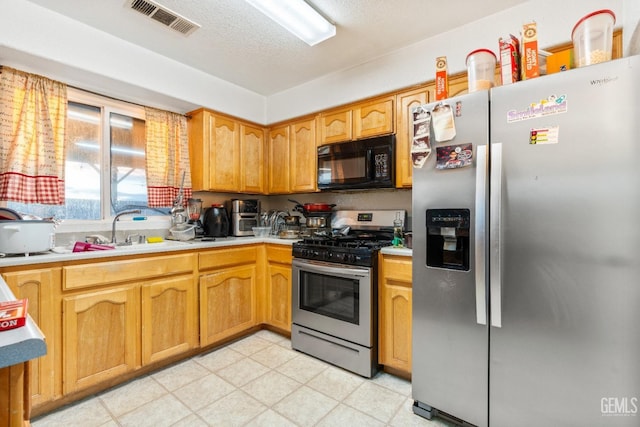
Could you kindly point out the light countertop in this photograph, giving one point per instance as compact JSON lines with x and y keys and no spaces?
{"x":64,"y":254}
{"x":391,"y":250}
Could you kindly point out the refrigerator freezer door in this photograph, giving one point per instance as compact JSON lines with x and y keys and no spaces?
{"x":450,"y":347}
{"x":568,"y":350}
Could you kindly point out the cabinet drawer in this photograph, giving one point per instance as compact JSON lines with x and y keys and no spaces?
{"x":85,"y":275}
{"x":228,"y":256}
{"x":397,"y":268}
{"x":279,"y":253}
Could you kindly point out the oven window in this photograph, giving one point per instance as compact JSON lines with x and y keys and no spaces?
{"x":330,"y":296}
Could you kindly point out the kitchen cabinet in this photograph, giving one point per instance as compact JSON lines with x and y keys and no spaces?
{"x":293,"y":157}
{"x":226,"y":154}
{"x":252,"y":148}
{"x":115,"y":316}
{"x":228,"y":292}
{"x":169,"y":317}
{"x":405,"y":102}
{"x":395,"y":299}
{"x":39,"y":286}
{"x":100,"y":333}
{"x":361,"y":120}
{"x":278,"y":287}
{"x":335,"y":126}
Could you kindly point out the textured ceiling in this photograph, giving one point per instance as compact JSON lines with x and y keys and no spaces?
{"x":239,"y":44}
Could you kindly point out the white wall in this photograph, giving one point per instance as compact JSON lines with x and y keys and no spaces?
{"x":38,"y":40}
{"x":35,"y":39}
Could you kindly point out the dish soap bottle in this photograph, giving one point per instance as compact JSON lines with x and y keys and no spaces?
{"x":398,"y":237}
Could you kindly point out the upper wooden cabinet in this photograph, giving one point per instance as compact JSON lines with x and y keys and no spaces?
{"x":226,"y":154}
{"x":405,"y":102}
{"x":335,"y":126}
{"x":361,"y":120}
{"x":292,"y":158}
{"x":252,"y":142}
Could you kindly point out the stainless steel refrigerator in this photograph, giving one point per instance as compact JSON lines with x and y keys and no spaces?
{"x":526,"y":254}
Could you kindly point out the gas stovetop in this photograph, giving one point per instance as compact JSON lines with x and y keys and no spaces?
{"x":355,"y":240}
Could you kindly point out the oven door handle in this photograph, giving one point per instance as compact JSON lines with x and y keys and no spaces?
{"x":346,"y":271}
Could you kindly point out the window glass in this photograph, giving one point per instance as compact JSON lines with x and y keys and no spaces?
{"x":104,"y":161}
{"x":128,"y":177}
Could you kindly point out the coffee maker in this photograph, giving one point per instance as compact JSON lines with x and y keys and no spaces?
{"x":216,"y":221}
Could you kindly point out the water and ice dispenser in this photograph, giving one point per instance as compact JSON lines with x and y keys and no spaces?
{"x":448,"y":238}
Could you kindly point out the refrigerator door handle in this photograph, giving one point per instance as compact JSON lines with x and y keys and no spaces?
{"x":480,"y":237}
{"x":495,"y":237}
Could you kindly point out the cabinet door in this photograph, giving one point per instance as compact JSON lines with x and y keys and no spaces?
{"x":251,"y":159}
{"x":101,"y":332}
{"x":169,"y":318}
{"x":304,"y":157}
{"x":224,"y":152}
{"x":38,"y":287}
{"x":279,"y":296}
{"x":335,"y":126}
{"x":395,"y":313}
{"x":405,"y":102}
{"x":227,"y":303}
{"x":373,"y":118}
{"x":279,"y":180}
{"x":200,"y":126}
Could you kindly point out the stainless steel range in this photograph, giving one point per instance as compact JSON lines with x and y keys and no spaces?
{"x":334,"y":294}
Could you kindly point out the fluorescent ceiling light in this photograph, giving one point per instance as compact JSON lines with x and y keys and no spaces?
{"x":297,"y":17}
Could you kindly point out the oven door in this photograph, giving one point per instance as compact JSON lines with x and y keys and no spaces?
{"x":335,"y":299}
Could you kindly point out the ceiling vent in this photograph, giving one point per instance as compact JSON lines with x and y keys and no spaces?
{"x":163,"y":15}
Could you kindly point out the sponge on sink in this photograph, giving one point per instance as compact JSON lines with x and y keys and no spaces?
{"x":155,"y":239}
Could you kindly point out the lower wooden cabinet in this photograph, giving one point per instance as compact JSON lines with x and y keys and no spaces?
{"x":169,"y":317}
{"x":395,"y":312}
{"x":278,"y":287}
{"x":227,"y":303}
{"x":39,"y":287}
{"x":228,"y":292}
{"x":120,"y":315}
{"x":101,"y":332}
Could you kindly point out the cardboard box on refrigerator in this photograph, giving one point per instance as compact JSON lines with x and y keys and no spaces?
{"x":530,"y":65}
{"x":442,"y":80}
{"x":560,"y":61}
{"x":509,"y":59}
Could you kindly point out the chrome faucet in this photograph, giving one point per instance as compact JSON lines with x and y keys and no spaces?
{"x":117,"y":217}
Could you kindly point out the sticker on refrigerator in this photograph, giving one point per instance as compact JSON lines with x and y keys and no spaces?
{"x":546,"y":107}
{"x":420,"y":136}
{"x":548,"y":135}
{"x":454,"y":156}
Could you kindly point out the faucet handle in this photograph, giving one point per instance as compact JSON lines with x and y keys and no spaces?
{"x":129,"y":239}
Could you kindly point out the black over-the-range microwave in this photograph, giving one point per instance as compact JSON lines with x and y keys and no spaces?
{"x":360,"y":164}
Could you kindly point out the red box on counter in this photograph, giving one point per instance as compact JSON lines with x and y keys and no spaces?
{"x":509,"y":59}
{"x":13,"y":314}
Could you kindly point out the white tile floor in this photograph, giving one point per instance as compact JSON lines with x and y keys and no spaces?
{"x":256,"y":381}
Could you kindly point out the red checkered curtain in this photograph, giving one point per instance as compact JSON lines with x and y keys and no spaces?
{"x":33,"y":114}
{"x":167,"y":153}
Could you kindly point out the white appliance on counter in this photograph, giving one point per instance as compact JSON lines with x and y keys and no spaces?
{"x":526,"y":280}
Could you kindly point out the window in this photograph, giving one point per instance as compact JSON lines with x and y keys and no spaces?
{"x":104,"y":161}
